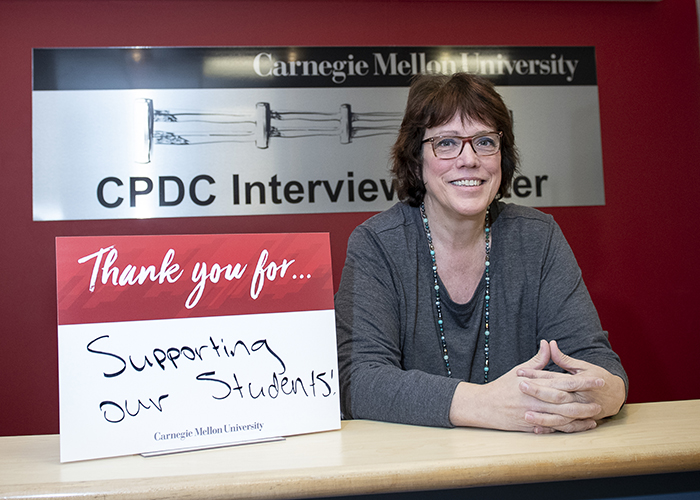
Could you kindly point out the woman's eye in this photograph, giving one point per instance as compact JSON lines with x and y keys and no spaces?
{"x":447,"y":142}
{"x":485,"y":142}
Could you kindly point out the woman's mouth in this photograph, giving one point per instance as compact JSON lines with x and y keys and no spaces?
{"x":467,"y":182}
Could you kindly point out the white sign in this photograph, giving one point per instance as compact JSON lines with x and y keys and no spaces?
{"x":180,"y":342}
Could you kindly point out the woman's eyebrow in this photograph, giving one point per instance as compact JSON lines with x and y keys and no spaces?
{"x":458,"y":134}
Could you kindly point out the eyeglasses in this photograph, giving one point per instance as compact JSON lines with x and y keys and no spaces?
{"x":448,"y":147}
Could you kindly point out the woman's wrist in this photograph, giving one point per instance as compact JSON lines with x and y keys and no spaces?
{"x":468,"y":408}
{"x":616,"y":392}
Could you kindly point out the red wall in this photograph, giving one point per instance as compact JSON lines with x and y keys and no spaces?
{"x":638,"y":252}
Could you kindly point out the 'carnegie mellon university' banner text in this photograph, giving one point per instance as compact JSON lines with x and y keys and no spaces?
{"x":186,"y":132}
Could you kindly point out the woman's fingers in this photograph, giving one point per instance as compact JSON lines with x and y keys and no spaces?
{"x":547,"y":422}
{"x":539,"y":360}
{"x":560,"y":390}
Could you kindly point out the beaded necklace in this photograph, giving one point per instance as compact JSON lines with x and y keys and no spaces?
{"x":438,"y":302}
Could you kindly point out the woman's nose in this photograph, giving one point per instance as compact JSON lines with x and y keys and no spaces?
{"x":468,"y":156}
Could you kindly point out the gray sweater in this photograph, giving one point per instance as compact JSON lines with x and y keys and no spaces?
{"x":389,"y":352}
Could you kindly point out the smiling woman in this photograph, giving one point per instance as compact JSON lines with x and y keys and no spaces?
{"x":455,"y":308}
{"x":461,"y":182}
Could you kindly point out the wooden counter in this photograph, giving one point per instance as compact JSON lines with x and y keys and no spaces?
{"x":366,"y":457}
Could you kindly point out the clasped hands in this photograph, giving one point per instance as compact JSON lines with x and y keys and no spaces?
{"x":528,"y":398}
{"x":568,"y":402}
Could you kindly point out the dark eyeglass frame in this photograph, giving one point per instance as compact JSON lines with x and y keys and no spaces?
{"x":464,"y":140}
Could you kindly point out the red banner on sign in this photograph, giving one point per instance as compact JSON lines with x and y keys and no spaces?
{"x":129,"y":278}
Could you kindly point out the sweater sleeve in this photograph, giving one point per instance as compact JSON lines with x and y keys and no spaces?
{"x":566,"y":312}
{"x":373,"y":305}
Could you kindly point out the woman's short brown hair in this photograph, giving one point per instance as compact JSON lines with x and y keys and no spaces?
{"x":434,"y":100}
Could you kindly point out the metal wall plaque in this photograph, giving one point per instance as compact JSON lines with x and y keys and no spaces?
{"x":184,"y":132}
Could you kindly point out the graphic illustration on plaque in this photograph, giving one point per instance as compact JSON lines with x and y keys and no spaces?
{"x":258,"y":127}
